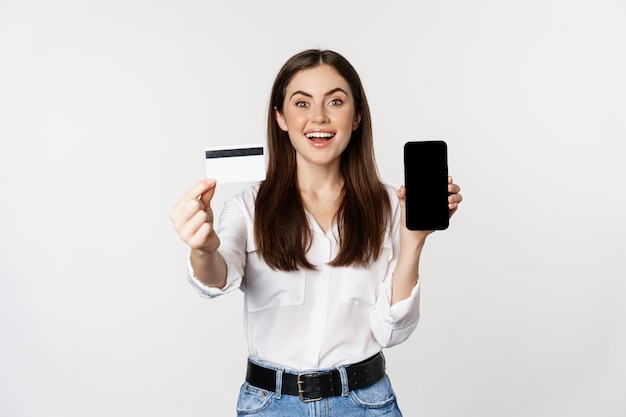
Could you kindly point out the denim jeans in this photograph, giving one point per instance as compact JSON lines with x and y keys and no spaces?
{"x":376,"y":400}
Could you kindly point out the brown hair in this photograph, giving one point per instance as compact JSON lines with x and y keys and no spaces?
{"x":281,"y":231}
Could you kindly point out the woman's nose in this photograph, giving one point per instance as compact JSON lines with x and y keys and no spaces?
{"x":319,"y":114}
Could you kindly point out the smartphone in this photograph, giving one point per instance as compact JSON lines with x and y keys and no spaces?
{"x":426,"y":182}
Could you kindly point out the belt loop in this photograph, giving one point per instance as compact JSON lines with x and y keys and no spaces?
{"x":345,"y":386}
{"x":279,"y":382}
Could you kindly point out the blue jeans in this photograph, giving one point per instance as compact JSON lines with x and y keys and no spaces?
{"x":376,"y":400}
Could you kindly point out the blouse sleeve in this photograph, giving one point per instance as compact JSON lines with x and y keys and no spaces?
{"x":393,"y":324}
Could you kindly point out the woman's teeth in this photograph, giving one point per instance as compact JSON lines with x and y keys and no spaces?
{"x":320,"y":135}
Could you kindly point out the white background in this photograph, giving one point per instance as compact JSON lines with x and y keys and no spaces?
{"x":105,"y":110}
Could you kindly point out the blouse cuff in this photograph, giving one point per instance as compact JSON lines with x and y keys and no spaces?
{"x":210,"y":292}
{"x":402,"y":314}
{"x":393,"y":324}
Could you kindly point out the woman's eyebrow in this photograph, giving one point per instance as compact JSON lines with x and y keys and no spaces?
{"x":330,"y":92}
{"x":301,"y":93}
{"x":336,"y":90}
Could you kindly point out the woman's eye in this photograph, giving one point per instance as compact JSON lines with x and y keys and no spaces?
{"x":335,"y":102}
{"x":301,"y":104}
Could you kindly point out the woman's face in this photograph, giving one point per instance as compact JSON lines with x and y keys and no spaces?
{"x":319,"y":115}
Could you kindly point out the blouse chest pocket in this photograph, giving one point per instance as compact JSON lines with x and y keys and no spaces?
{"x":274,"y":289}
{"x":266,"y":288}
{"x":359,"y":285}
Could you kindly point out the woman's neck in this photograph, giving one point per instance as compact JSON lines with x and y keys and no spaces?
{"x":320,"y":191}
{"x":319,"y":178}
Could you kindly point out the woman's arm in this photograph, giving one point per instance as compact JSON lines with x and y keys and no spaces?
{"x":193,"y":220}
{"x":406,"y":273}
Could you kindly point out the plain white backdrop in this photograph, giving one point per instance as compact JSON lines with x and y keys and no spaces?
{"x":106,"y":107}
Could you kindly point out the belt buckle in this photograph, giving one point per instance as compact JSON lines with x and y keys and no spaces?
{"x":301,"y":391}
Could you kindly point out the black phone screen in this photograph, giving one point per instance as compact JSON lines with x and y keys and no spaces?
{"x":426,"y":182}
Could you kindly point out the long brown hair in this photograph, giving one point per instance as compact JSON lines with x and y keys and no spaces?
{"x":281,"y":231}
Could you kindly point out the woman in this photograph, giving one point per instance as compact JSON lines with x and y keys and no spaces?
{"x":320,"y":249}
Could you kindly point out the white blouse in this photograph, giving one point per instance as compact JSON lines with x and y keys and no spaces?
{"x":304,"y":320}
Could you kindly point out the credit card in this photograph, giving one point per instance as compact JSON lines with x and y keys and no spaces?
{"x":235,"y":163}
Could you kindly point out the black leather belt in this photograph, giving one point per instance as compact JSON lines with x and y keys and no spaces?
{"x":313,"y":386}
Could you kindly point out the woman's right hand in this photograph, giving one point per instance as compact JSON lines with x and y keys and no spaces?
{"x":193,"y":218}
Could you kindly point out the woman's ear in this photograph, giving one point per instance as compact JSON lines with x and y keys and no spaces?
{"x":356,"y":122}
{"x":280,"y":119}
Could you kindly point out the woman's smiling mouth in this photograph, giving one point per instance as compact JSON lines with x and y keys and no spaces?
{"x":320,"y":139}
{"x":319,"y":135}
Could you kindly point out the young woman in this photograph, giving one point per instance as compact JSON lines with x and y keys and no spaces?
{"x":320,"y":249}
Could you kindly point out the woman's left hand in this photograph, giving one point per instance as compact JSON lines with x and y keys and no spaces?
{"x":454,"y":199}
